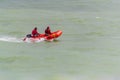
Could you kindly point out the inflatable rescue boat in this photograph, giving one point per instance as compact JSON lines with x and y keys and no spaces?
{"x":42,"y":37}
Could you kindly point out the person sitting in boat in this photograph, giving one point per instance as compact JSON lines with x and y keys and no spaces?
{"x":35,"y":32}
{"x":47,"y":31}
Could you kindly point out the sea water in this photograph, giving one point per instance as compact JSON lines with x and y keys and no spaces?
{"x":88,"y":49}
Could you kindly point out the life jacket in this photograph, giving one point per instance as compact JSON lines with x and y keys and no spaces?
{"x":34,"y":32}
{"x":47,"y":31}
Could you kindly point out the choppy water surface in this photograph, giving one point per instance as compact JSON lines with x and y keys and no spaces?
{"x":87,"y":50}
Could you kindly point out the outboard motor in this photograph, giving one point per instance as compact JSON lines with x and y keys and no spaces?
{"x":28,"y":35}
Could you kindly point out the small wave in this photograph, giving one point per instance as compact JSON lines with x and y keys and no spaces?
{"x":10,"y":39}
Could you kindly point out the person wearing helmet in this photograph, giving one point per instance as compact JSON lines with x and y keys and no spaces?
{"x":35,"y":32}
{"x":47,"y":31}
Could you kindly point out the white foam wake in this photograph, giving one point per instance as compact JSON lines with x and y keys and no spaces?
{"x":31,"y":40}
{"x":20,"y":40}
{"x":10,"y":39}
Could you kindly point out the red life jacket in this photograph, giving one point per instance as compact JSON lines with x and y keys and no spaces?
{"x":34,"y":32}
{"x":47,"y":31}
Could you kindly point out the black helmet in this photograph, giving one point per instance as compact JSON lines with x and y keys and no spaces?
{"x":35,"y":28}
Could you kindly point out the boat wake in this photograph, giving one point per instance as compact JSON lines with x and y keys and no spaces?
{"x":31,"y":40}
{"x":10,"y":39}
{"x":18,"y":40}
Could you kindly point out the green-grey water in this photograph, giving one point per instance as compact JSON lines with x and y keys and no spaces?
{"x":87,"y":50}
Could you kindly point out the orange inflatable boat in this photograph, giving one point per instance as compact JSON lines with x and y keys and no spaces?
{"x":40,"y":37}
